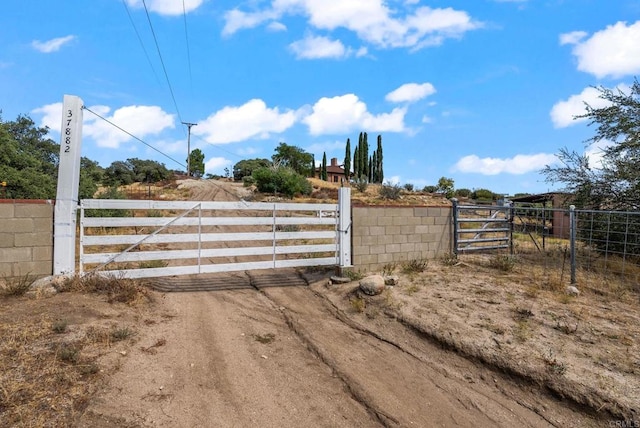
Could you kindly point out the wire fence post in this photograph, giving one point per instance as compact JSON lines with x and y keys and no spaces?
{"x":454,"y":201}
{"x":511,"y":214}
{"x":572,"y":241}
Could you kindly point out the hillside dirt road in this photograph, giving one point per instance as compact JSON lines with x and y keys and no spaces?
{"x":265,"y":350}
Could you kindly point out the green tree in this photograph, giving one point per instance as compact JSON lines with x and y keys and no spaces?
{"x":118,"y":173}
{"x":347,"y":161}
{"x":445,"y":186}
{"x":463,"y":193}
{"x":483,"y":195}
{"x":293,"y":157}
{"x":614,"y":183}
{"x":323,"y":171}
{"x":196,"y":163}
{"x":379,"y":168}
{"x":430,"y":189}
{"x":356,"y":162}
{"x":246,"y":167}
{"x":281,"y":180}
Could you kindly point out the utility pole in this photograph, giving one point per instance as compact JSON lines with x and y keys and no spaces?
{"x":189,"y":125}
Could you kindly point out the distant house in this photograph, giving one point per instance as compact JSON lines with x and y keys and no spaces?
{"x":335,"y":172}
{"x":558,"y":202}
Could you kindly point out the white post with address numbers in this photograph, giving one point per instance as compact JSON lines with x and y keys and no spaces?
{"x":64,"y":234}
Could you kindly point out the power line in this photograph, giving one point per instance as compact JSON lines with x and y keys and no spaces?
{"x":132,"y":136}
{"x":186,"y":36}
{"x":166,"y":75}
{"x":146,"y":54}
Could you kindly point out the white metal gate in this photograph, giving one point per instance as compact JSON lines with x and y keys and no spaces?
{"x":138,"y":239}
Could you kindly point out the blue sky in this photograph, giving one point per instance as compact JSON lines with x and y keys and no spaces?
{"x":481,"y":91}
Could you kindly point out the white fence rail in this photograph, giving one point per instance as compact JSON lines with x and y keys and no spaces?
{"x":137,"y":239}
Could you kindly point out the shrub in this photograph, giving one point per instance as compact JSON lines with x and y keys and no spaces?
{"x":408,"y":187}
{"x":361,"y":184}
{"x":390,"y":191}
{"x":109,"y":193}
{"x":281,"y":180}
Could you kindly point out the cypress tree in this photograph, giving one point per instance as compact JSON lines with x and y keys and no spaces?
{"x":374,"y":167}
{"x":356,"y":163}
{"x":370,"y":175}
{"x":364,"y":155}
{"x":313,"y":166}
{"x":347,"y":161}
{"x":379,"y":169}
{"x":324,"y":166}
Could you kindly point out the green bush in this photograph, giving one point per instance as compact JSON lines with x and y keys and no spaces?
{"x":109,"y":193}
{"x":281,"y":180}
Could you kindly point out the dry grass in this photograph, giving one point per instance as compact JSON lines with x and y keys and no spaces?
{"x":116,"y":289}
{"x":16,"y":286}
{"x":49,"y":366}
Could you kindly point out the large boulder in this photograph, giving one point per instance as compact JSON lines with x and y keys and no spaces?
{"x":372,"y":285}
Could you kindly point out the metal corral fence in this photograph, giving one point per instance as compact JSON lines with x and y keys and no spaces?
{"x":592,"y":247}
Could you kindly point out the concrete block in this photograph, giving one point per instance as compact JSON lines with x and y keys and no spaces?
{"x":377,"y":230}
{"x":392,"y":248}
{"x":356,"y":241}
{"x":422,"y":229}
{"x":414,"y":238}
{"x":358,"y":251}
{"x":368,"y":221}
{"x":385,"y":258}
{"x":408,"y":247}
{"x":34,"y":210}
{"x":428,"y":237}
{"x":43,"y":224}
{"x":6,"y":211}
{"x":385,"y":239}
{"x":392,"y":230}
{"x":33,"y":239}
{"x":428,"y":220}
{"x":6,"y":240}
{"x":6,"y":269}
{"x":377,"y":249}
{"x":400,"y":239}
{"x":360,"y":230}
{"x":22,"y":254}
{"x":413,"y":220}
{"x":42,"y":253}
{"x":32,"y":268}
{"x":369,"y":240}
{"x":385,"y":221}
{"x":442,"y":220}
{"x":16,"y":225}
{"x":368,"y":259}
{"x":408,"y":230}
{"x":399,"y":221}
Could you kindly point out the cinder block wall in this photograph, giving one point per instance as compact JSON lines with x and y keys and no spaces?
{"x":387,"y":234}
{"x":26,"y":237}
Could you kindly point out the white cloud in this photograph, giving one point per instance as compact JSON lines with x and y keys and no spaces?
{"x":519,"y":164}
{"x":216,"y":165}
{"x":315,"y":47}
{"x":372,"y":20}
{"x":411,"y":92}
{"x":563,"y":112}
{"x":52,"y":45}
{"x":247,"y":151}
{"x":250,"y":120}
{"x":573,"y":37}
{"x":595,"y":153}
{"x":167,"y":7}
{"x":346,"y":113}
{"x":426,"y":119}
{"x":51,"y":116}
{"x":328,"y":147}
{"x":612,"y":52}
{"x":276,"y":26}
{"x":140,"y":121}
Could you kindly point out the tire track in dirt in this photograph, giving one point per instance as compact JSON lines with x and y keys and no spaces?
{"x":399,"y":385}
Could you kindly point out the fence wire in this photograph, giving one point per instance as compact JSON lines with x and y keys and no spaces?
{"x":595,"y":249}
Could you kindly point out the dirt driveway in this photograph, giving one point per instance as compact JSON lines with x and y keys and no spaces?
{"x":276,"y":356}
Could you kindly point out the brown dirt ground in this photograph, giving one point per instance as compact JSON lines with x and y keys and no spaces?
{"x":460,"y":345}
